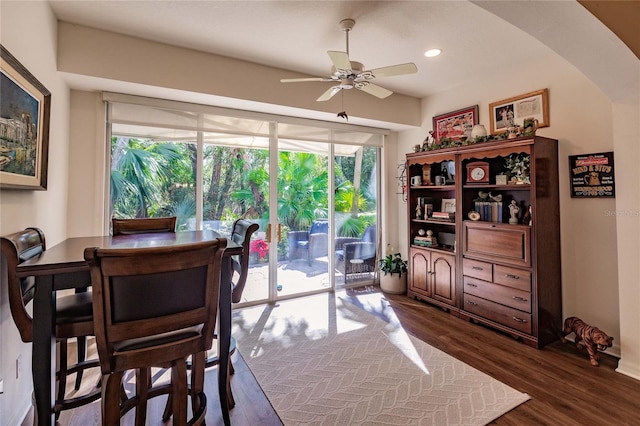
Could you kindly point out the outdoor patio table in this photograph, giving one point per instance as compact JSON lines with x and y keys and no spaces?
{"x":62,"y":265}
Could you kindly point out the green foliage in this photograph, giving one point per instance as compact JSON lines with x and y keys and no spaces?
{"x":303,"y":185}
{"x":393,"y":264}
{"x":150,"y":178}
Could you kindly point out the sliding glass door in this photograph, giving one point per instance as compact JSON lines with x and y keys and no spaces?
{"x":312,"y":189}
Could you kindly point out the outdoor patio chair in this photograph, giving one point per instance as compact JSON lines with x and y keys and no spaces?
{"x":357,"y":257}
{"x":310,"y":244}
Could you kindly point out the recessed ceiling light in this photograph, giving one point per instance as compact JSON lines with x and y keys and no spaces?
{"x":432,"y":52}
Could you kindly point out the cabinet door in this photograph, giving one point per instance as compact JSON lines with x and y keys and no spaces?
{"x":419,"y":271}
{"x":443,"y":277}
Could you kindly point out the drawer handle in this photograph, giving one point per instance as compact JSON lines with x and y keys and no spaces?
{"x":513,"y":277}
{"x":478,"y":268}
{"x":472,"y":285}
{"x":519,"y":319}
{"x":519,"y":299}
{"x":469,"y":302}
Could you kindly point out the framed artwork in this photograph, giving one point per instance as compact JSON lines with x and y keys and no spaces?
{"x":24,"y":126}
{"x":448,"y":205}
{"x":455,"y":124}
{"x":512,"y":112}
{"x":592,"y":175}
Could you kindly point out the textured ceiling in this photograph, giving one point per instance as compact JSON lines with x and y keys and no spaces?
{"x":296,"y":35}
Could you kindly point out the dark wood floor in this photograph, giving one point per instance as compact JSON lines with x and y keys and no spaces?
{"x":564,"y":388}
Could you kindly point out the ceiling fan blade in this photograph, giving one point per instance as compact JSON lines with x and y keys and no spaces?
{"x":298,"y":80}
{"x":375,"y":90}
{"x":340,"y":60}
{"x":330,"y":93}
{"x":408,"y":68}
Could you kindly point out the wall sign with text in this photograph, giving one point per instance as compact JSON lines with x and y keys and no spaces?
{"x":592,"y":175}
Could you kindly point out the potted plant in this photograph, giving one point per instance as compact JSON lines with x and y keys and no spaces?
{"x":394,"y":279}
{"x":518,"y":167}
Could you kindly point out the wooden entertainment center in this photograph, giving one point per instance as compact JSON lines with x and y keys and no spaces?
{"x":495,"y":262}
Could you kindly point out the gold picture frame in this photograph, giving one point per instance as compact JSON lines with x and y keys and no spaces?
{"x":24,"y":126}
{"x":512,"y":111}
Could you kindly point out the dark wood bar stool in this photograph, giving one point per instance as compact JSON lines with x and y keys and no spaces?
{"x":180,"y":285}
{"x":241,"y":234}
{"x":74,"y":313}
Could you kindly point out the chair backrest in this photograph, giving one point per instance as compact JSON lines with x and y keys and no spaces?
{"x":154,"y":305}
{"x":143,"y":225}
{"x":241,"y":234}
{"x":370,"y":234}
{"x":319,"y":226}
{"x":17,"y":248}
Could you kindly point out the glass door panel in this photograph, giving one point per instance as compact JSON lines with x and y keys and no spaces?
{"x":236,"y":185}
{"x":355,"y":209}
{"x":303,"y":200}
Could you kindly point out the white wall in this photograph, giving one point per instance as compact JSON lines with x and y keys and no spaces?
{"x":28,"y":30}
{"x":581,"y":120}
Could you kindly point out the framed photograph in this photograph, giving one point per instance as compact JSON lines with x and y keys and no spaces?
{"x":455,"y":124}
{"x":24,"y":126}
{"x":592,"y":175}
{"x":448,"y":205}
{"x":513,"y":111}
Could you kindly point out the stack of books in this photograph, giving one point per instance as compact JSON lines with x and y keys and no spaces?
{"x":490,"y":211}
{"x":424,"y":241}
{"x":445,"y":216}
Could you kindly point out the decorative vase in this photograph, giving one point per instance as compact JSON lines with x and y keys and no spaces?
{"x":393,"y":283}
{"x":478,"y":131}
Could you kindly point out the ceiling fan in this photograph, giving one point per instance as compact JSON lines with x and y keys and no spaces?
{"x":352,"y":75}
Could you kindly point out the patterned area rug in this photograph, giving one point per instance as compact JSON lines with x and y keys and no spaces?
{"x":348,"y":366}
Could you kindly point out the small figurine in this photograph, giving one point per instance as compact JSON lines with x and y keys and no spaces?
{"x":527,"y":216}
{"x":428,"y":142}
{"x":418,"y":211}
{"x":513,"y":210}
{"x":482,"y":196}
{"x":588,"y":337}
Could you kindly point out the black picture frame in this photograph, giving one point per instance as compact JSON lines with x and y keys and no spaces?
{"x":592,"y":175}
{"x":25,"y":108}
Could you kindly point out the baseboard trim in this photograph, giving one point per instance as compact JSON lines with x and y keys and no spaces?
{"x":625,"y":368}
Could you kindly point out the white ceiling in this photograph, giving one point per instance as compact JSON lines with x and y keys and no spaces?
{"x":295,"y":35}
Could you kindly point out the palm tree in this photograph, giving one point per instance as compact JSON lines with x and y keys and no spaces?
{"x":303,"y":185}
{"x":138,"y":174}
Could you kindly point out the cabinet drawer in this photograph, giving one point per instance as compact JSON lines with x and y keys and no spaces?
{"x":477,"y":269}
{"x":512,"y":277}
{"x":505,"y":315}
{"x":498,"y":242}
{"x":508,"y":296}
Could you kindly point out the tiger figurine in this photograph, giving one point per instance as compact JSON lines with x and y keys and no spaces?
{"x":587,"y":336}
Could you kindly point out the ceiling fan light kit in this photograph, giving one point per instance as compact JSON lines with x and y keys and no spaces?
{"x":348,"y":74}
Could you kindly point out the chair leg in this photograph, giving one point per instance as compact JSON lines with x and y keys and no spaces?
{"x":143,"y":381}
{"x":166,"y":414}
{"x":230,"y":400}
{"x":179,"y":390}
{"x":197,"y":378}
{"x":82,"y":355}
{"x":62,"y":373}
{"x":111,"y":386}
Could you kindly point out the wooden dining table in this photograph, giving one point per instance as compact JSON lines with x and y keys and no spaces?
{"x":63,"y":267}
